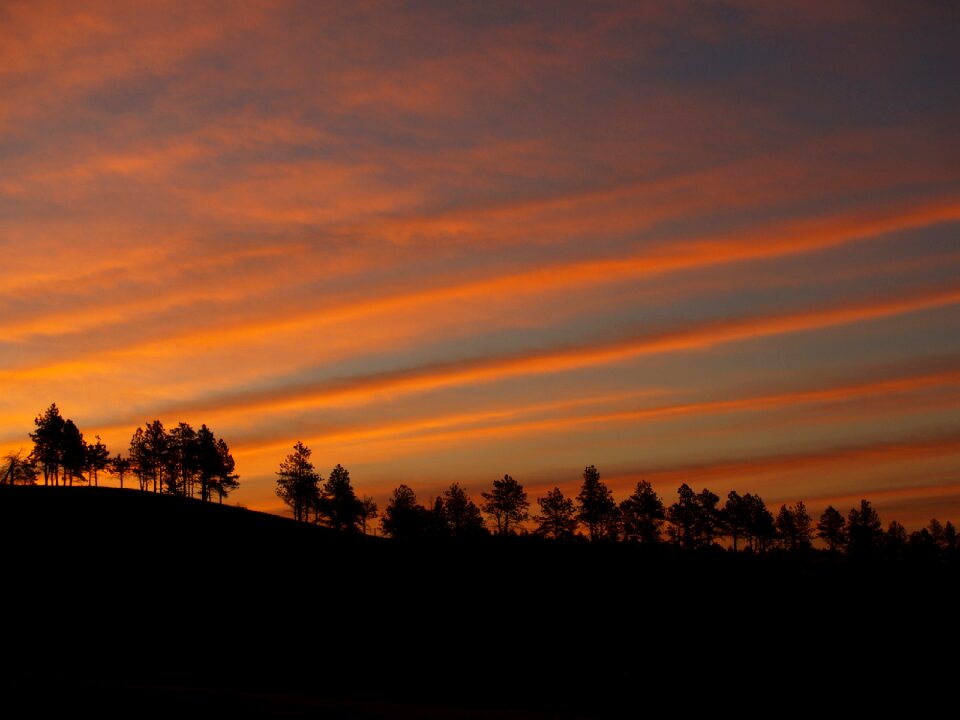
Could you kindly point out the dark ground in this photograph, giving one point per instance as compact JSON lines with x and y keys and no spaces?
{"x":119,"y":601}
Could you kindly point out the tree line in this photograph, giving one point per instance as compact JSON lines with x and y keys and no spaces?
{"x":180,"y":461}
{"x":697,"y":520}
{"x":196,"y":463}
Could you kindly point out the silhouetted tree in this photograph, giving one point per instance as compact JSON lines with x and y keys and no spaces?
{"x":735,"y":515}
{"x":761,"y":528}
{"x":209,"y":461}
{"x":922,"y":545}
{"x":682,"y":517}
{"x":368,"y":511}
{"x":461,"y":516}
{"x":225,"y":480}
{"x":97,"y":460}
{"x":182,"y":460}
{"x":595,"y":506}
{"x":832,"y":528}
{"x":642,"y":515}
{"x":120,"y":466}
{"x":437,"y":525}
{"x":895,"y":539}
{"x":708,"y":520}
{"x":793,"y":526}
{"x":73,"y":453}
{"x":18,"y":469}
{"x":48,"y":443}
{"x":152,"y":453}
{"x":137,"y":456}
{"x":507,"y":504}
{"x":404,"y":518}
{"x":785,"y":530}
{"x":949,"y":537}
{"x":338,"y":504}
{"x":695,"y":518}
{"x":864,"y":530}
{"x":297,"y":481}
{"x":557,"y":518}
{"x":944,"y":536}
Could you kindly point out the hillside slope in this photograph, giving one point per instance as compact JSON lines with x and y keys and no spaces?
{"x":116,"y":592}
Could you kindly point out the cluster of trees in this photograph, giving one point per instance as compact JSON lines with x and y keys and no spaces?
{"x":181,"y":461}
{"x":696,"y":520}
{"x":332,"y":502}
{"x":453,"y":515}
{"x":60,"y":453}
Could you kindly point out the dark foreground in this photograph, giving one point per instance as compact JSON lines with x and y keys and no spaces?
{"x":119,"y":601}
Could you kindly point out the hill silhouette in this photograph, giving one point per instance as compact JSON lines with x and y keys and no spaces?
{"x":123,"y":518}
{"x":129,"y":597}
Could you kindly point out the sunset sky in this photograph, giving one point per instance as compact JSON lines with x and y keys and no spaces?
{"x":713,"y":243}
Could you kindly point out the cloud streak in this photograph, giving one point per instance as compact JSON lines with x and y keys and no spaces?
{"x":509,"y":422}
{"x":563,"y":360}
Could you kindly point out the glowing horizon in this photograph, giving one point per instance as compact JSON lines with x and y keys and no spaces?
{"x":705,"y":243}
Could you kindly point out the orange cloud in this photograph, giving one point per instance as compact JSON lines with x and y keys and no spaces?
{"x":508,"y":422}
{"x":370,"y":388}
{"x":793,"y":238}
{"x":563,"y":360}
{"x":724,"y":471}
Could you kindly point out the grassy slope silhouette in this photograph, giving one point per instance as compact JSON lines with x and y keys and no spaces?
{"x":118,"y":592}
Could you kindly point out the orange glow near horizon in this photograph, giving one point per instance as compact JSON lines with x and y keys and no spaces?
{"x":442,"y":245}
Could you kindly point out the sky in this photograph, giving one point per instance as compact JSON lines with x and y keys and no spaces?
{"x":705,"y":242}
